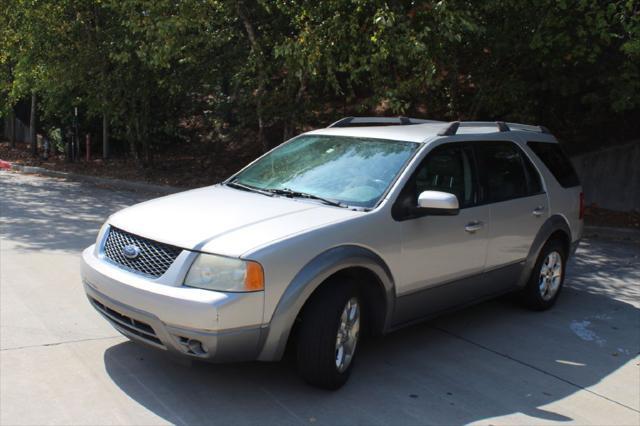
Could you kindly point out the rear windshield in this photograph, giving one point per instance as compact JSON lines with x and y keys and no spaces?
{"x":557,"y":162}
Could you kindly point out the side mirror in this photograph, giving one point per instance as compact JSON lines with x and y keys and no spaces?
{"x":438,"y":203}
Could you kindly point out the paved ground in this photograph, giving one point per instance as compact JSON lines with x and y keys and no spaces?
{"x":492,"y":364}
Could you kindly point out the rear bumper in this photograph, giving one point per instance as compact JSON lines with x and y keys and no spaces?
{"x":212,"y":326}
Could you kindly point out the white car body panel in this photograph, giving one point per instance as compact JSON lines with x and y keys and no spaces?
{"x":223,"y":220}
{"x":286,"y":235}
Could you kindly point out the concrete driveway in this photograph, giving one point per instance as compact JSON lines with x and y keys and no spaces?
{"x":61,"y":363}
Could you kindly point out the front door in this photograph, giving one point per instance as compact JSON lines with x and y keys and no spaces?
{"x":439,"y":252}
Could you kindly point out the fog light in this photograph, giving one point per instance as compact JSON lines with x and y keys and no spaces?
{"x":196,"y":347}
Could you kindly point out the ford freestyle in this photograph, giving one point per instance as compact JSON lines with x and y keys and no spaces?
{"x":362,"y":227}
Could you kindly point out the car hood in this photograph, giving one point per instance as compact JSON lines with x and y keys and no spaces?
{"x":223,"y":220}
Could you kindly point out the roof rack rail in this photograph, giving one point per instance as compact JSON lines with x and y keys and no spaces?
{"x":453,"y":127}
{"x":450,"y":130}
{"x":529,"y":128}
{"x":502,"y":126}
{"x":379,"y":121}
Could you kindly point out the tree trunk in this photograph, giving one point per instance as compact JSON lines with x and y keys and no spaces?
{"x":146,"y":148}
{"x":105,"y":136}
{"x":12,"y":127}
{"x":32,"y":128}
{"x":133,"y":148}
{"x":257,"y":51}
{"x":146,"y":120}
{"x":69,"y":145}
{"x":139,"y":151}
{"x":289,"y":126}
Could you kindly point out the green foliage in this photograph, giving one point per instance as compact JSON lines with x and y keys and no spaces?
{"x":156,"y":67}
{"x":566,"y":64}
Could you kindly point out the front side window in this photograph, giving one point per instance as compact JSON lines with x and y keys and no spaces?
{"x":502,"y":169}
{"x":447,"y":168}
{"x":350,"y":170}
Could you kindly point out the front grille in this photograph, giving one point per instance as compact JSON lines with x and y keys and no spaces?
{"x":123,"y":322}
{"x":154,"y":258}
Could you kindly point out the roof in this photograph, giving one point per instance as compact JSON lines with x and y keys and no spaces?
{"x":426,"y":131}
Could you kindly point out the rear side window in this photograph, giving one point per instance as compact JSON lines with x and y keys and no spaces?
{"x":503,"y":174}
{"x":557,"y":162}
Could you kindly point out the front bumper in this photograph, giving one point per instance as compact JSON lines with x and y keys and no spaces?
{"x":196,"y":323}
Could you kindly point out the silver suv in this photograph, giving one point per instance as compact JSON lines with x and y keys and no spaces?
{"x":365,"y":226}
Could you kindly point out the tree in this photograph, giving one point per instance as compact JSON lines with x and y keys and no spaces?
{"x":154,"y":73}
{"x":33,"y":120}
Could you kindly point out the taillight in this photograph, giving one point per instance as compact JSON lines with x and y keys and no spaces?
{"x":581,"y":215}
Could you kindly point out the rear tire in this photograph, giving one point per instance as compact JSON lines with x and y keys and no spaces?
{"x":328,"y":335}
{"x":547,"y":277}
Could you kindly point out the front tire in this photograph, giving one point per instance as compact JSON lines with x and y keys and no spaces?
{"x":329,"y":334}
{"x":547,"y":277}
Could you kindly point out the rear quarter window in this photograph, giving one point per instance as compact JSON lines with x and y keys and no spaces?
{"x":557,"y":162}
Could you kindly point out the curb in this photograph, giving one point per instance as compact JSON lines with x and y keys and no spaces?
{"x":110,"y":182}
{"x":611,"y":233}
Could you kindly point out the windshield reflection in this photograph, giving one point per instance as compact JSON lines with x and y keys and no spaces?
{"x":349,"y":170}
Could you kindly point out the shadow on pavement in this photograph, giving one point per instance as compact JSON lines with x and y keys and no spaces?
{"x":490,"y":360}
{"x":606,"y":267}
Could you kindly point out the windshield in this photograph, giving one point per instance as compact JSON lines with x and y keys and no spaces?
{"x":350,"y":170}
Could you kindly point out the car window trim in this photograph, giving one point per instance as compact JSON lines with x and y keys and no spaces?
{"x":524,"y":158}
{"x":399,"y":175}
{"x":478,"y":189}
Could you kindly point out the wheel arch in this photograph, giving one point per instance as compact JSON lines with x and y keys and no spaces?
{"x":355,"y":262}
{"x":555,"y":226}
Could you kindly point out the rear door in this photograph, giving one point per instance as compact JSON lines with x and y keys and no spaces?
{"x":511,"y":186}
{"x":563,"y":185}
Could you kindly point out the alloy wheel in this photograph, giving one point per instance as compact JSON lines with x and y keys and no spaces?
{"x":348,"y":333}
{"x":550,"y":275}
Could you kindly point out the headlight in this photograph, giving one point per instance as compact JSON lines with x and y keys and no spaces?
{"x":220,"y":273}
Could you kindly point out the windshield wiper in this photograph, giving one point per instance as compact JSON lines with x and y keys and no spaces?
{"x":250,"y":188}
{"x":297,"y":194}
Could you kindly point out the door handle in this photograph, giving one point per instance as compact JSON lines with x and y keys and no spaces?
{"x":474,"y":226}
{"x":538,"y":211}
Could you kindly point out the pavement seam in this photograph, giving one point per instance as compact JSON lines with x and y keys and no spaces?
{"x":283,"y":406}
{"x":89,"y":339}
{"x":526,"y":364}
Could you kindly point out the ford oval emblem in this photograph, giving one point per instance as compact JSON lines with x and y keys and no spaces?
{"x":131,"y":251}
